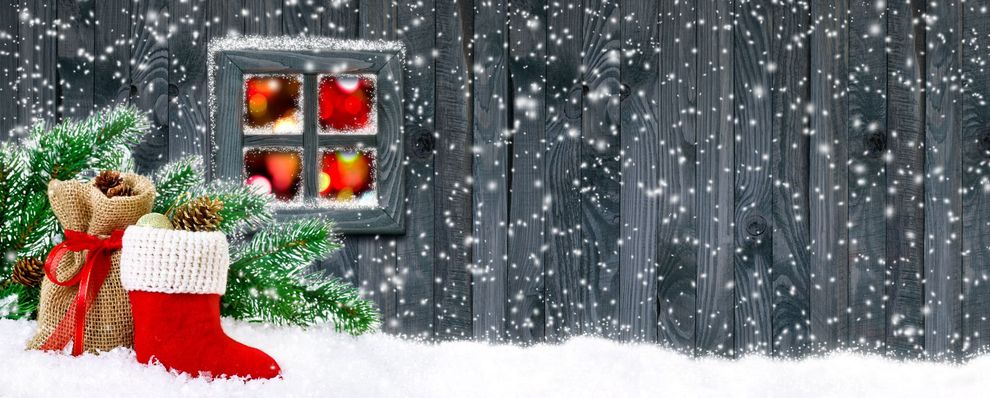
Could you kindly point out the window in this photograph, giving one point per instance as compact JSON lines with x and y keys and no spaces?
{"x":314,"y":121}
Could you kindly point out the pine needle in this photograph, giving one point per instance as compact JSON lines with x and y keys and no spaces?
{"x":269,"y":281}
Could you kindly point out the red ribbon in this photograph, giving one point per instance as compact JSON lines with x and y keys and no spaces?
{"x":89,"y":278}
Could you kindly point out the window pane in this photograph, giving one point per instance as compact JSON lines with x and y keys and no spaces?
{"x":348,"y":176}
{"x":275,"y":171}
{"x":347,"y":104}
{"x":273,"y":104}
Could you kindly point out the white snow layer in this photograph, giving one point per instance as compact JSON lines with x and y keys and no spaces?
{"x":319,"y":362}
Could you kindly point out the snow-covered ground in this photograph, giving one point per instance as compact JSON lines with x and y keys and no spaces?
{"x":318,"y":362}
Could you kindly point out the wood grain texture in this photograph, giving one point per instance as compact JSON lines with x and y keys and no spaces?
{"x":149,"y":80}
{"x":943,"y":172}
{"x":338,"y":18}
{"x":490,"y":170}
{"x":112,"y":53}
{"x":189,"y":120}
{"x":527,"y":74}
{"x":262,"y":17}
{"x":540,"y":135}
{"x":37,"y":95}
{"x":677,"y":232}
{"x":905,"y":190}
{"x":376,"y":254}
{"x":9,"y":49}
{"x":714,"y":324}
{"x":753,"y":194}
{"x":565,"y":295}
{"x":75,"y":51}
{"x":415,"y":250}
{"x":828,"y":178}
{"x":454,"y":191}
{"x":641,"y":192}
{"x":228,"y":129}
{"x":867,"y":174}
{"x":976,"y":176}
{"x":601,"y":166}
{"x":302,"y":17}
{"x":789,"y":49}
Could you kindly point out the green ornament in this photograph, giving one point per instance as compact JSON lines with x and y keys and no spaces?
{"x":155,"y":220}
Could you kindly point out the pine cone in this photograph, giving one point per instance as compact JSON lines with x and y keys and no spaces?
{"x":200,"y":214}
{"x":28,"y":271}
{"x":107,"y":179}
{"x":120,"y":190}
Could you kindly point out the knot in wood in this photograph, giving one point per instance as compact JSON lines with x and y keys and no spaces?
{"x":756,"y":225}
{"x":422,"y":144}
{"x":985,"y":143}
{"x":875,"y":144}
{"x":574,"y":100}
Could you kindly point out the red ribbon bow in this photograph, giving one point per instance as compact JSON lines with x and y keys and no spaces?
{"x":89,"y":278}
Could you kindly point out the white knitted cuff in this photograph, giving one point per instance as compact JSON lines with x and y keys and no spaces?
{"x":172,"y":261}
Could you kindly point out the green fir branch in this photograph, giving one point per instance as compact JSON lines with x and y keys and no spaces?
{"x":61,"y":151}
{"x":243,"y":205}
{"x":269,"y":281}
{"x":18,"y":301}
{"x":70,"y":147}
{"x":175,"y":180}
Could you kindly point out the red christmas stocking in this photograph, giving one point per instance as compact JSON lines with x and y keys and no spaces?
{"x":175,"y":280}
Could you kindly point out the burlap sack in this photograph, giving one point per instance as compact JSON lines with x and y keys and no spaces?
{"x":82,"y":207}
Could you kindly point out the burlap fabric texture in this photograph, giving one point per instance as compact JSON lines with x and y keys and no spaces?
{"x":82,"y":207}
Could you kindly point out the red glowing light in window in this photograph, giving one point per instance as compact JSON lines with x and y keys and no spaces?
{"x":272,"y":102}
{"x":274,"y":171}
{"x":346,"y":175}
{"x":346,"y":102}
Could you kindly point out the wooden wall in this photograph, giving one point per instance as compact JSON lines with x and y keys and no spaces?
{"x":727,"y":176}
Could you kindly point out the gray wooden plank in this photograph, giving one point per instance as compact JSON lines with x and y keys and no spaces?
{"x":905,"y":195}
{"x":976,"y":177}
{"x":600,"y":166}
{"x":263,"y":17}
{"x":339,"y":19}
{"x":453,"y":316}
{"x":677,"y":268}
{"x":149,"y":79}
{"x":714,"y":323}
{"x":415,"y":249}
{"x":563,"y":268}
{"x":9,"y":49}
{"x":828,"y":176}
{"x":230,"y":104}
{"x":112,"y":53}
{"x":867,"y":174}
{"x":943,"y":181}
{"x":641,"y":191}
{"x":75,"y":54}
{"x":376,"y":266}
{"x":790,"y":56}
{"x":189,"y":120}
{"x":527,"y":75}
{"x":37,"y":62}
{"x":302,"y":17}
{"x":491,"y":171}
{"x":753,"y":194}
